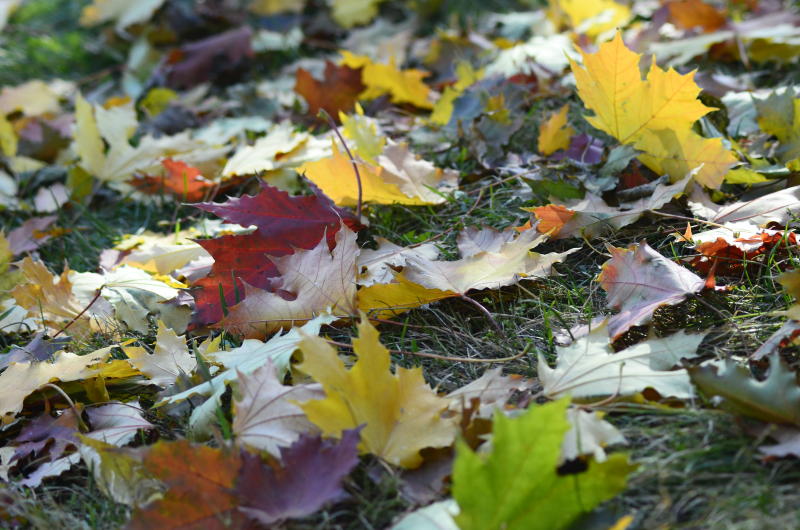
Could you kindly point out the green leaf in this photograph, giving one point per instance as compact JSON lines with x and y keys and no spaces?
{"x":776,"y":399}
{"x":517,"y":487}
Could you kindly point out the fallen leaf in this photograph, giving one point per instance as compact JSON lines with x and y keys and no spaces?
{"x":377,"y":266}
{"x":32,"y":98}
{"x":407,"y":418}
{"x":492,"y":390}
{"x":592,"y":216}
{"x":655,"y":115}
{"x":337,"y":92}
{"x":555,"y":134}
{"x":505,"y":264}
{"x":691,"y":14}
{"x":349,"y":13}
{"x":592,"y":18}
{"x":182,"y":181}
{"x":199,"y":488}
{"x":590,"y":368}
{"x":638,"y":280}
{"x":779,"y":115}
{"x":402,"y":86}
{"x":265,"y":414}
{"x":516,"y":485}
{"x":245,"y":359}
{"x":589,"y":433}
{"x":310,"y":282}
{"x":284,"y":223}
{"x":776,"y":399}
{"x":217,"y":57}
{"x":310,"y":476}
{"x":170,"y":358}
{"x":31,"y":234}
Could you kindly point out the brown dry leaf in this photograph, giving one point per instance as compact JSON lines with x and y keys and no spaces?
{"x":337,"y":92}
{"x":691,"y":14}
{"x":51,"y":299}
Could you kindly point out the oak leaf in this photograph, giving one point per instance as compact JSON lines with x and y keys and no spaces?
{"x":655,"y":115}
{"x":407,"y":418}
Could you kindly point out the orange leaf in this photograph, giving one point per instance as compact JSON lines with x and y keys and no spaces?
{"x":337,"y":92}
{"x":552,"y":218}
{"x":200,"y":481}
{"x":182,"y":181}
{"x":690,"y":14}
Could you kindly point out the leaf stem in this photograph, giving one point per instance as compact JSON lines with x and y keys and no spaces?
{"x":352,"y":160}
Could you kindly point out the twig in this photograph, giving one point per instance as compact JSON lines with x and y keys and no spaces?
{"x":79,"y":315}
{"x":696,"y":220}
{"x":352,"y":159}
{"x":71,"y":403}
{"x":485,"y":311}
{"x":445,"y":357}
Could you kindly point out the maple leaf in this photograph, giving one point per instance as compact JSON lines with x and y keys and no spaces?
{"x":349,"y":13}
{"x":691,"y":14}
{"x":638,"y":280}
{"x":182,"y":181}
{"x":403,"y":86}
{"x":654,"y":115}
{"x":21,"y":379}
{"x":336,"y":93}
{"x":170,"y":358}
{"x":38,"y":434}
{"x":777,"y":207}
{"x":492,"y":390}
{"x":245,"y":359}
{"x":310,"y":282}
{"x":500,"y":261}
{"x":779,"y":115}
{"x":264,"y":417}
{"x":407,"y":418}
{"x":554,"y":134}
{"x":588,"y":435}
{"x":516,"y":486}
{"x":730,"y":249}
{"x":592,"y":216}
{"x":589,"y":367}
{"x":377,"y":266}
{"x":776,"y":399}
{"x":384,"y":300}
{"x":199,"y":494}
{"x":592,"y":18}
{"x":310,"y":476}
{"x":283,"y":224}
{"x":401,"y":178}
{"x":51,"y":298}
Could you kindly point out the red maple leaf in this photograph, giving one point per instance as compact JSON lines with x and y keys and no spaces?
{"x":283,"y":224}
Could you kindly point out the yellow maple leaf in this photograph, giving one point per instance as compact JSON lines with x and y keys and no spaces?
{"x":555,"y":133}
{"x":335,"y":177}
{"x":443,"y":109}
{"x":365,"y":132}
{"x":590,"y":17}
{"x":655,"y":115}
{"x":385,"y":300}
{"x":400,"y":413}
{"x":403,"y":86}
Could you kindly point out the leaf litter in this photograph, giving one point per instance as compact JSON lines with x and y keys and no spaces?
{"x":323,"y":334}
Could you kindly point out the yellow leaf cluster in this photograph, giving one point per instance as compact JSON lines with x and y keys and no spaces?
{"x":655,"y":115}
